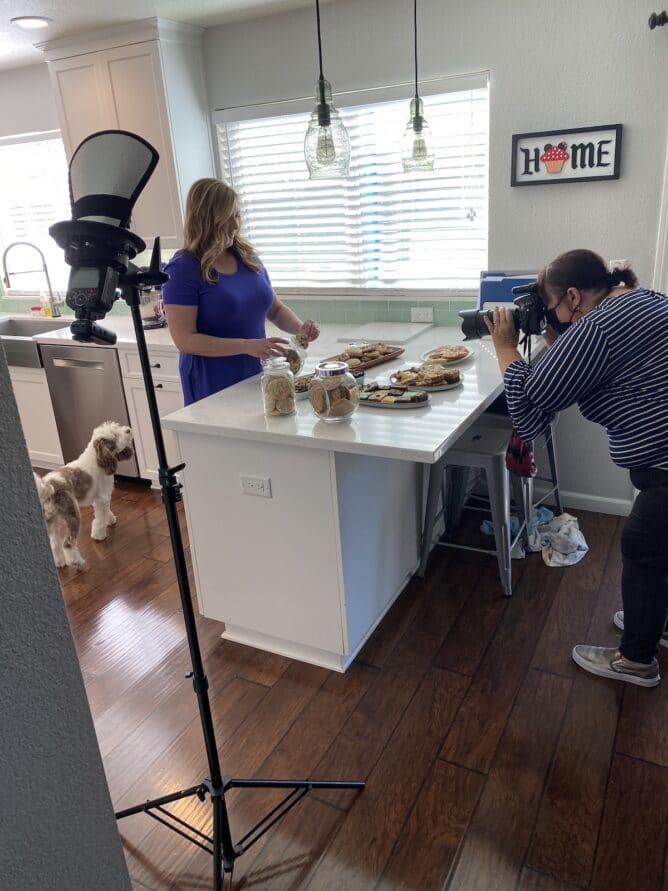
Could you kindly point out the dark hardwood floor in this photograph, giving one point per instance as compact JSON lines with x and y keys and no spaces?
{"x":491,"y":761}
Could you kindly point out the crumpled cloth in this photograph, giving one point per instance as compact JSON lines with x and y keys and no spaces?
{"x":541,"y":516}
{"x":562,"y":542}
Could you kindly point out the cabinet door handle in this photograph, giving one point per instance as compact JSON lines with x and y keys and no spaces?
{"x":158,"y":386}
{"x":157,"y":365}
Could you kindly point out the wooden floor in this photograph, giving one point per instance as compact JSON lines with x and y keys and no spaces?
{"x":491,"y":761}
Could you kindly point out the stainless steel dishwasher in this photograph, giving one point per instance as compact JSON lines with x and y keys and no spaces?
{"x":86,"y":390}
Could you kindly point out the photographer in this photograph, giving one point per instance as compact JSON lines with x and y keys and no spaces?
{"x":610,"y":357}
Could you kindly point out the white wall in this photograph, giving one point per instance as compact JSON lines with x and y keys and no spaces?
{"x":553,"y":65}
{"x":27,"y":104}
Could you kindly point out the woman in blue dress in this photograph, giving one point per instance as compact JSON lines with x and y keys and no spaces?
{"x":219,"y":297}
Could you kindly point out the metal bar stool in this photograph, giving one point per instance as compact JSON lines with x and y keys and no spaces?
{"x":482,"y":447}
{"x":497,"y":415}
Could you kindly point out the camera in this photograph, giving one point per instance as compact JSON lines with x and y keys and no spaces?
{"x":529,"y":314}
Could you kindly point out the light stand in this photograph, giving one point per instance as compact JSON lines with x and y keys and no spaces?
{"x":224,"y":851}
{"x":108,"y":172}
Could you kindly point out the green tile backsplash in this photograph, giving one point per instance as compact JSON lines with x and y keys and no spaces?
{"x":342,"y":312}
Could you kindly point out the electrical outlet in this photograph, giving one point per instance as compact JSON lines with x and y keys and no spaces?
{"x":255,"y":485}
{"x":422,"y":314}
{"x":612,"y":264}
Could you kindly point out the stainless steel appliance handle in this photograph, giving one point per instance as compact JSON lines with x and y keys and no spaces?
{"x":79,"y":363}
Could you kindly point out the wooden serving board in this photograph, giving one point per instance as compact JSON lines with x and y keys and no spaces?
{"x":388,"y":357}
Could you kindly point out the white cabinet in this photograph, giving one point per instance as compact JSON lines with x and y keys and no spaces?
{"x":31,"y":392}
{"x":168,"y":396}
{"x":116,"y":79}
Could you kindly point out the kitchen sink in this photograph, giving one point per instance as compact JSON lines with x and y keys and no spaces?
{"x":16,"y":338}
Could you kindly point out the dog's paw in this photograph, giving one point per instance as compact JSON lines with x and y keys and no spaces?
{"x":60,"y":561}
{"x":73,"y":557}
{"x":111,"y":519}
{"x":98,"y":534}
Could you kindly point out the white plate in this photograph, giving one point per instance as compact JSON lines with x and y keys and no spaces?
{"x":439,"y":389}
{"x":424,"y":357}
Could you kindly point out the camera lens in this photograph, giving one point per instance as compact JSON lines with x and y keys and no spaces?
{"x":473,"y":323}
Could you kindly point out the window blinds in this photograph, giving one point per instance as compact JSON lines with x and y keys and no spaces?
{"x":380,"y":227}
{"x":34,"y":193}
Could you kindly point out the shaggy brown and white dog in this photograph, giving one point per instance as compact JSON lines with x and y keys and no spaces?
{"x":88,"y":480}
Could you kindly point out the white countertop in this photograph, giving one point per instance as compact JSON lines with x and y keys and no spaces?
{"x":419,"y":435}
{"x":122,"y":326}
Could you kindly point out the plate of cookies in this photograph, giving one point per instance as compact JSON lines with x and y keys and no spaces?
{"x":376,"y":395}
{"x":448,"y":355}
{"x":431,"y":378}
{"x":359,"y":356}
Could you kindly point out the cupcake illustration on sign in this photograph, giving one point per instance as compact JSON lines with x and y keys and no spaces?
{"x":554,"y":157}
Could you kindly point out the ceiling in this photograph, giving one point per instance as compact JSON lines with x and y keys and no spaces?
{"x":72,"y":16}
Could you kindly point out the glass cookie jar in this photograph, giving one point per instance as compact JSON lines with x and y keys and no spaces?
{"x":333,"y":392}
{"x":295,"y":355}
{"x":278,"y":388}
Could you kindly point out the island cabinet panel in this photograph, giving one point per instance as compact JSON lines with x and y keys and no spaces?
{"x":265,"y":566}
{"x":379,"y":511}
{"x":310,"y":571}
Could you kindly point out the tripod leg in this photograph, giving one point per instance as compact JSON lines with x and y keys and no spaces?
{"x":217,"y":846}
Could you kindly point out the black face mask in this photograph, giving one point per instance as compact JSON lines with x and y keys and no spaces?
{"x":555,"y":322}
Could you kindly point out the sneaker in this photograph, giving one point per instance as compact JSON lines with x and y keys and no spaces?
{"x":608,"y":662}
{"x":618,"y":622}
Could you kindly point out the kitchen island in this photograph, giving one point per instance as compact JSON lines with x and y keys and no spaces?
{"x":310,"y":568}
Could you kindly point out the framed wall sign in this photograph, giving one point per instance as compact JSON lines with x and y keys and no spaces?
{"x":566,"y":156}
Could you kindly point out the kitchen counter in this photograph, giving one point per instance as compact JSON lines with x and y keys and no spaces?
{"x":122,"y":326}
{"x":310,"y":570}
{"x":420,"y":435}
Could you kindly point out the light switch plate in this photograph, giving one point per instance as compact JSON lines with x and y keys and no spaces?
{"x":255,"y":485}
{"x":422,"y":314}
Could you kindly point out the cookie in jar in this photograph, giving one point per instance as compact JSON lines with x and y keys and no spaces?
{"x":333,"y":392}
{"x":278,"y":388}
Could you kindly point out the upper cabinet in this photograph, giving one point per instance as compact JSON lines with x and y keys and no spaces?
{"x":149,"y":81}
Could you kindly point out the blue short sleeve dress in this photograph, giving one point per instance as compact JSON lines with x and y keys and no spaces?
{"x":236,"y":306}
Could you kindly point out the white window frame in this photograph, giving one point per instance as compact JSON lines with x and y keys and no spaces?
{"x":28,"y":296}
{"x":367,"y":96}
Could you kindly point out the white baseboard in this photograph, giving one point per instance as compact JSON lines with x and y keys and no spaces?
{"x":618,"y":507}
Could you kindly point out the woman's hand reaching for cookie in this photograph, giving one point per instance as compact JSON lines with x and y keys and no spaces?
{"x":309,"y":331}
{"x":266,"y":347}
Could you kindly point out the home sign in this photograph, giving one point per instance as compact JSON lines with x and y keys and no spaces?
{"x":565,"y":156}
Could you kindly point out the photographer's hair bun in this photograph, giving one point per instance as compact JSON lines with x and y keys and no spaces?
{"x":623,"y":275}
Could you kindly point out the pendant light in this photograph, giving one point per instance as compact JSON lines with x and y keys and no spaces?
{"x":326,"y":145}
{"x":415,"y":153}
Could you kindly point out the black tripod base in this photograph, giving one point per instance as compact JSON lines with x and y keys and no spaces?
{"x":220,"y":846}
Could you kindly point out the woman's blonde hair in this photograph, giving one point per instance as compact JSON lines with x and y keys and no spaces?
{"x":210,"y":207}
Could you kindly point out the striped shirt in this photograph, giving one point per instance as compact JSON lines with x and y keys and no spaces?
{"x":614,"y":364}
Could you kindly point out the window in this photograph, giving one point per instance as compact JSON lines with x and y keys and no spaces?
{"x":34,"y":193}
{"x":379,"y":228}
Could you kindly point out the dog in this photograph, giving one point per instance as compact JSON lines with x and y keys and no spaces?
{"x":87,"y":480}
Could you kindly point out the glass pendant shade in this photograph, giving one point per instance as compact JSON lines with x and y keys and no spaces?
{"x":326,"y":144}
{"x":415,"y":151}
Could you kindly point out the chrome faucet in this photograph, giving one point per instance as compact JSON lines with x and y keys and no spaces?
{"x":53,"y":302}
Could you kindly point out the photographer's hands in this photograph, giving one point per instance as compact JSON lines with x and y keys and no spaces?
{"x":505,"y":336}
